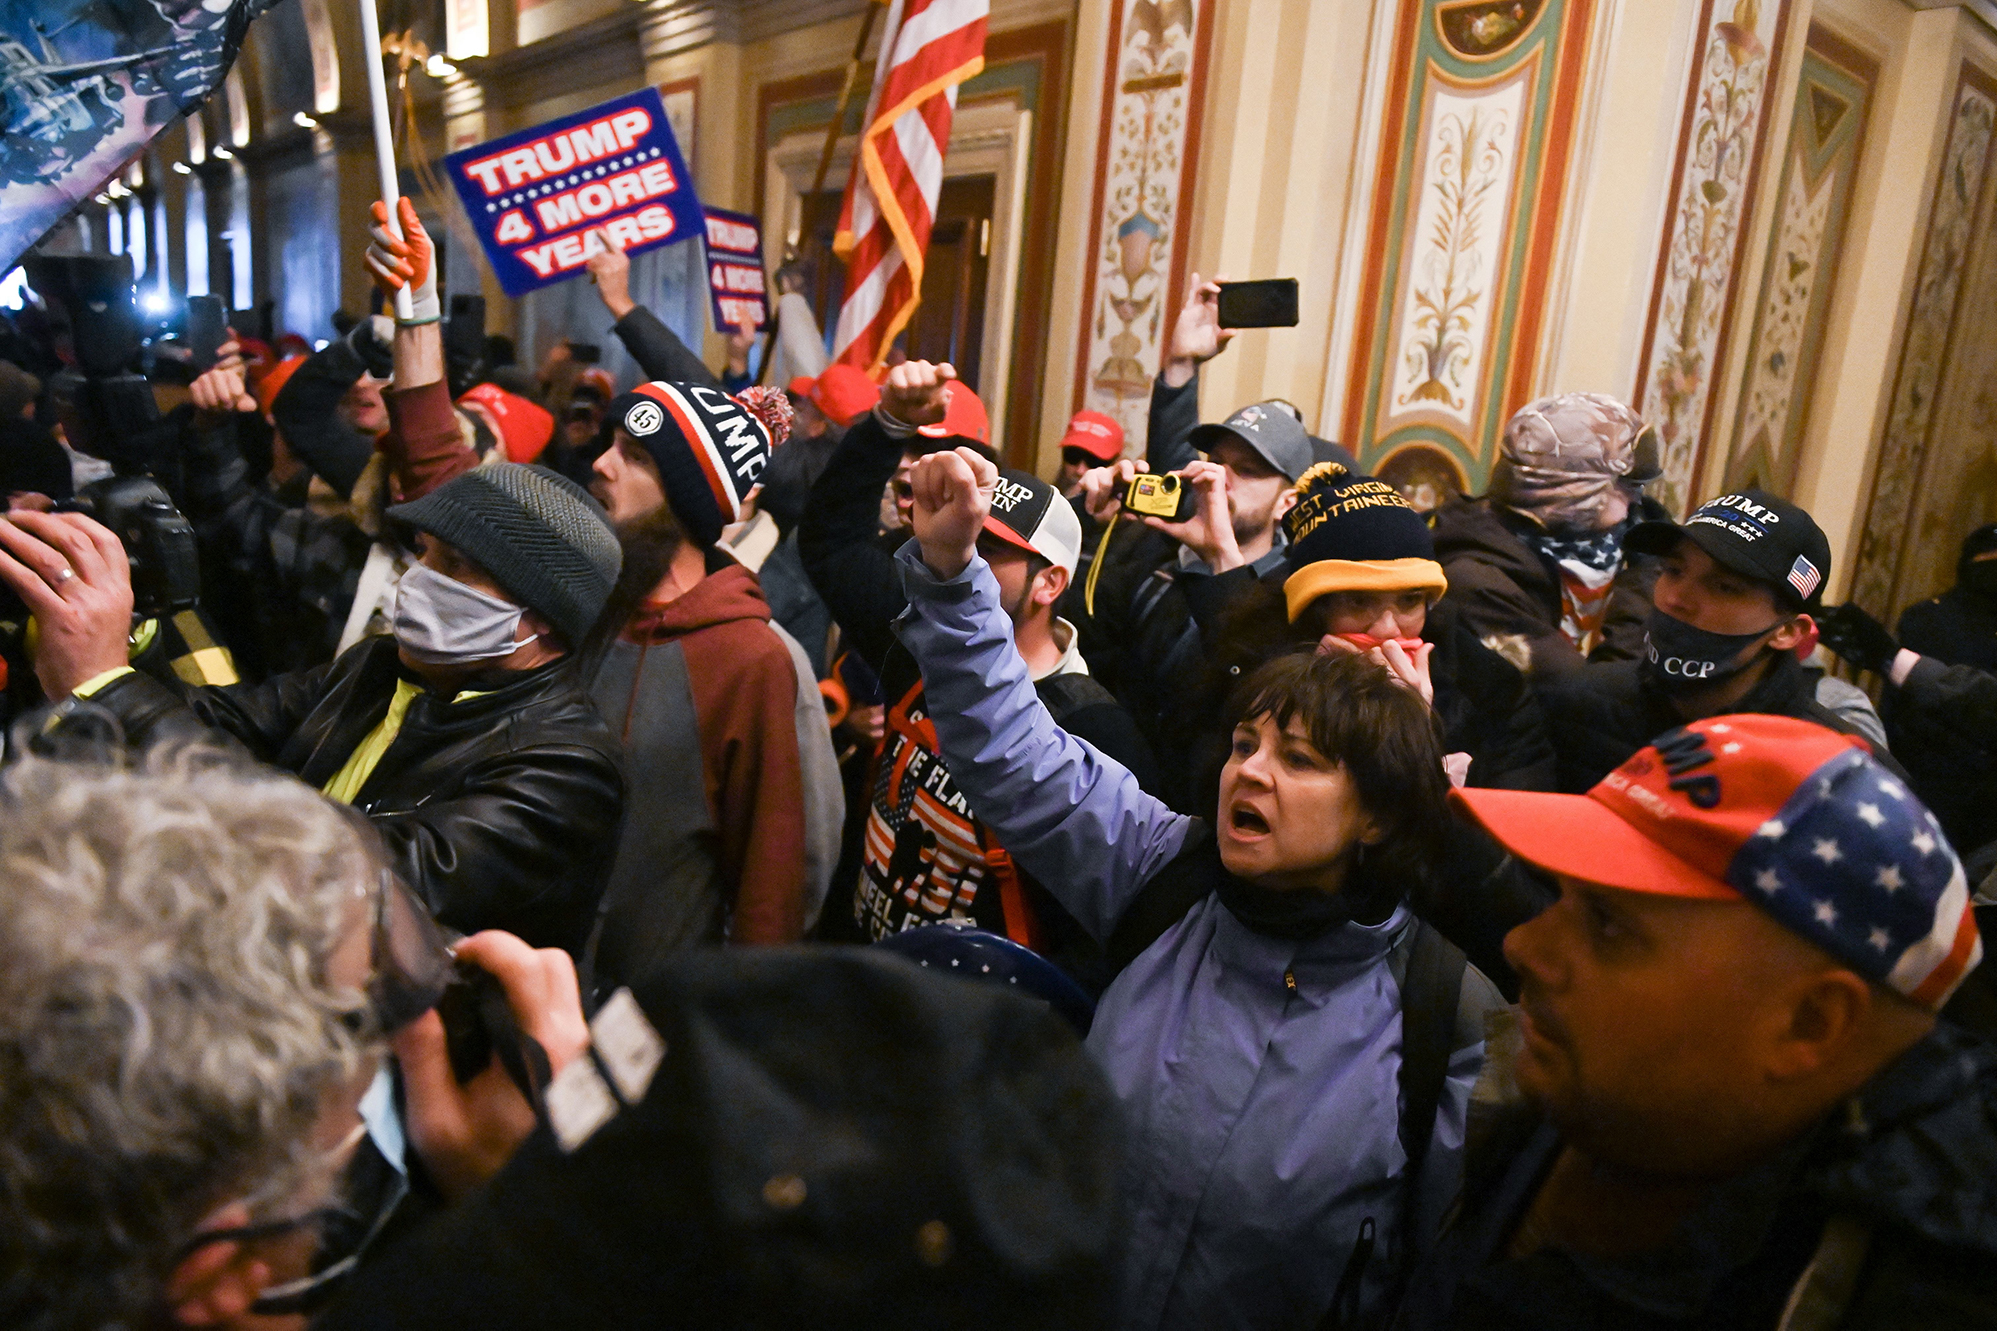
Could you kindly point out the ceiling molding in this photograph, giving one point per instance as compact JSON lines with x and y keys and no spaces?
{"x":1986,"y":10}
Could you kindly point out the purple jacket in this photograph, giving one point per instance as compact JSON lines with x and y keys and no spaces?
{"x":1262,"y":1122}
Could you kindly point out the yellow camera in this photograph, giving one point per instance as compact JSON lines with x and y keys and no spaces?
{"x":1167,"y":497}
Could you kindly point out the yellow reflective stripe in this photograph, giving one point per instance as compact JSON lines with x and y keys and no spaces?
{"x":96,"y":682}
{"x":209,"y":665}
{"x":360,"y":765}
{"x":192,"y":630}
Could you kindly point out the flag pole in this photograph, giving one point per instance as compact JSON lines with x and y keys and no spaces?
{"x":384,"y":142}
{"x":825,"y":154}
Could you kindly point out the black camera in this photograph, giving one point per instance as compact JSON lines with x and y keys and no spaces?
{"x":166,"y":566}
{"x":103,"y":399}
{"x":1167,"y":496}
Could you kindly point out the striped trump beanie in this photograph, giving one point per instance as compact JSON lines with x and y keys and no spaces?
{"x":710,"y":448}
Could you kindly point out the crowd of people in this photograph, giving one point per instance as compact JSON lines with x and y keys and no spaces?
{"x":599,"y":855}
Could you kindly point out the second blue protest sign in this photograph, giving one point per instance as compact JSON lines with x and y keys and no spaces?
{"x":735,"y":281}
{"x":534,"y":196}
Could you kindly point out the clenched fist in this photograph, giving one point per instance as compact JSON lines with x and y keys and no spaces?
{"x":953,"y":496}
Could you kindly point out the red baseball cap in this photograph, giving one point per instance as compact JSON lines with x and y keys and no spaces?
{"x":273,"y":380}
{"x":963,"y":417}
{"x":843,"y":394}
{"x":1797,"y":819}
{"x":1095,"y":434}
{"x":523,"y":427}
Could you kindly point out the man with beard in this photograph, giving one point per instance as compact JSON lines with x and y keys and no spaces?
{"x":926,"y":857}
{"x":1735,"y":589}
{"x":735,"y":803}
{"x":1163,"y":589}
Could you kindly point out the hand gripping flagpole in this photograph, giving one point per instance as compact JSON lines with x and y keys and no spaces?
{"x":384,"y":141}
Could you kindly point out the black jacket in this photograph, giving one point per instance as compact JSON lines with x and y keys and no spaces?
{"x":1505,"y":589}
{"x":1897,"y":1182}
{"x":1599,"y":716}
{"x":659,"y":351}
{"x":290,"y":570}
{"x":501,"y":810}
{"x":1943,"y":723}
{"x":1957,"y":628}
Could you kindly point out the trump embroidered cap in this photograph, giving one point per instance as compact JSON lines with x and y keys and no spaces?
{"x":1095,"y":434}
{"x":1757,"y":536}
{"x":1797,"y":819}
{"x":1029,"y":513}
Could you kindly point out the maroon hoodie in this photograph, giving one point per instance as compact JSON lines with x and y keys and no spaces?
{"x":707,"y":677}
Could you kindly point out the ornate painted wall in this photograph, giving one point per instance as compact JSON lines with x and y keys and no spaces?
{"x":1933,"y":480}
{"x":1475,"y":143}
{"x":1713,"y":182}
{"x":1144,"y":167}
{"x":1819,"y":164}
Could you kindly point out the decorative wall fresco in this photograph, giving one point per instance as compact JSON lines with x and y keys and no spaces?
{"x":1144,"y":166}
{"x":1925,"y":356}
{"x":1819,"y":164}
{"x":1713,"y":182}
{"x":1475,"y":141}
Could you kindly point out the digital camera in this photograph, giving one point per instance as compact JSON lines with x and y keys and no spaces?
{"x":166,"y":566}
{"x":1153,"y":496}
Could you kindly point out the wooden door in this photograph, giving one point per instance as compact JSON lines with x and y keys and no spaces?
{"x":949,"y":325}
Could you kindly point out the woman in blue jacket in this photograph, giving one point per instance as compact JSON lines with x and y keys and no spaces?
{"x":1255,"y":1046}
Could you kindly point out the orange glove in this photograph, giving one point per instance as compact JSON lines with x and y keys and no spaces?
{"x":410,"y":260}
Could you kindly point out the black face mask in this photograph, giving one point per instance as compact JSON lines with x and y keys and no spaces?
{"x":1681,"y":658}
{"x":1980,"y":576}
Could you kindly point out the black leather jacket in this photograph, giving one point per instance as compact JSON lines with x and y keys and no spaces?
{"x":501,"y":810}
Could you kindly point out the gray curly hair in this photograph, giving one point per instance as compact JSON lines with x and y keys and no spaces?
{"x":169,"y":1034}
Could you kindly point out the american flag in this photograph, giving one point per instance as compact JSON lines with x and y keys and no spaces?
{"x":928,"y":47}
{"x":1853,"y":862}
{"x":1803,"y":576}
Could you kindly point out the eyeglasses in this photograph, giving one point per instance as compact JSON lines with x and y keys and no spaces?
{"x":410,"y":964}
{"x":309,"y":1293}
{"x":409,"y":956}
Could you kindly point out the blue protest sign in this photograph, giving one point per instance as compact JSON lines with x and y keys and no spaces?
{"x":534,"y":197}
{"x":735,"y":280}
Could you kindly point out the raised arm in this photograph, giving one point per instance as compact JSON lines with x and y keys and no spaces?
{"x":1077,"y":821}
{"x":657,"y":348}
{"x":1197,"y":337}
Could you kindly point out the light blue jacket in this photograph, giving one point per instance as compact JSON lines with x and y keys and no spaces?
{"x":1262,"y":1122}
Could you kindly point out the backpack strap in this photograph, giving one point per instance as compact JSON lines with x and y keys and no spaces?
{"x":1431,"y":996}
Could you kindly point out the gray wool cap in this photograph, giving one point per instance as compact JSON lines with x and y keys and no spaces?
{"x":539,"y":535}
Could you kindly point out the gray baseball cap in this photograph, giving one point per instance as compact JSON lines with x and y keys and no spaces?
{"x":1277,"y":437}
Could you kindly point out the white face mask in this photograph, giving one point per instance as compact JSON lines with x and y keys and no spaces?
{"x":441,"y":621}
